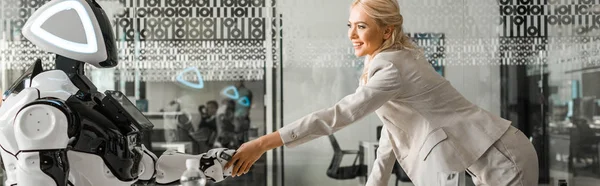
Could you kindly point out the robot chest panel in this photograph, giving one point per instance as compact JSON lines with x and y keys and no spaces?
{"x":118,"y":151}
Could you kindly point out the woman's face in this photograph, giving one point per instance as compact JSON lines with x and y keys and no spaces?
{"x":364,"y":33}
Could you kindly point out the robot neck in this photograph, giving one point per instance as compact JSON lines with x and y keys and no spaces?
{"x":76,"y":72}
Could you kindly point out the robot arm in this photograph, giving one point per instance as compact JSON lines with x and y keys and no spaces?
{"x":147,"y":165}
{"x":41,"y":133}
{"x":171,"y":165}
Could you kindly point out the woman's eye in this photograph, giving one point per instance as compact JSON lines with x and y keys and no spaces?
{"x":361,"y":27}
{"x":349,"y":25}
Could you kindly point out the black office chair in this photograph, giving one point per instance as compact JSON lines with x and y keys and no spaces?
{"x":336,"y":171}
{"x":401,"y":176}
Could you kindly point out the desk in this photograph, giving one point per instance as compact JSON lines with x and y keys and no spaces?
{"x":575,"y":152}
{"x":183,"y":147}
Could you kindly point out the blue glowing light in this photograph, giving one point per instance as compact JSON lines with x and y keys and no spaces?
{"x":198,"y":85}
{"x":234,"y":92}
{"x":244,"y":101}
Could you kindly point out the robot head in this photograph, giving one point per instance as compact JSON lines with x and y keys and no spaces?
{"x":76,"y":29}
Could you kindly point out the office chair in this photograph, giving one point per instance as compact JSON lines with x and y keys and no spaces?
{"x":401,"y":176}
{"x":336,"y":171}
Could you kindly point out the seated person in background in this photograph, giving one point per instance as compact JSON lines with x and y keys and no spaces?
{"x":176,"y":122}
{"x":225,"y":123}
{"x":205,"y":132}
{"x":178,"y":125}
{"x":242,"y":112}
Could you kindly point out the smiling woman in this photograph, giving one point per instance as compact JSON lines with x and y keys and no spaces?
{"x":374,"y":28}
{"x":429,"y":127}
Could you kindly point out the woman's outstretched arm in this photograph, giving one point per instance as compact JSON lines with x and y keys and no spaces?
{"x":384,"y":84}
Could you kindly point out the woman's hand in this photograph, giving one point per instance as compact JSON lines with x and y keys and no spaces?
{"x":245,"y":156}
{"x":249,"y":152}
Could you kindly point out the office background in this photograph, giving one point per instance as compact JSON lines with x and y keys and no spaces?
{"x":534,"y":62}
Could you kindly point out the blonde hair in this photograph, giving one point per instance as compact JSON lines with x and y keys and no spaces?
{"x":386,"y":13}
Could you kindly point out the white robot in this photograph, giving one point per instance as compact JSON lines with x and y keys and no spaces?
{"x":58,"y":130}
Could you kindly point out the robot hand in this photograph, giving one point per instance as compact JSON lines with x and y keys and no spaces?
{"x":213,"y":161}
{"x":171,"y":165}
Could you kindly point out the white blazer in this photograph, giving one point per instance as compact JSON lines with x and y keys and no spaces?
{"x":429,"y":126}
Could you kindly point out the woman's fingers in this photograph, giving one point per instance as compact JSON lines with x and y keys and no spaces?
{"x":245,"y":167}
{"x":242,"y":167}
{"x":248,"y":166}
{"x":236,"y":167}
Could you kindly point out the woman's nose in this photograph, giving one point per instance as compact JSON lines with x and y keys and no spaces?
{"x":352,"y":33}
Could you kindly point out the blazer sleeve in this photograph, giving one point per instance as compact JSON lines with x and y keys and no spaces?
{"x":383,"y":84}
{"x":384,"y":163}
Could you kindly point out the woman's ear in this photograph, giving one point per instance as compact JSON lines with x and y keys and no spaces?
{"x":387,"y":32}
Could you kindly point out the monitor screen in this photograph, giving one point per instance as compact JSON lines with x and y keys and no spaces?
{"x":589,"y":84}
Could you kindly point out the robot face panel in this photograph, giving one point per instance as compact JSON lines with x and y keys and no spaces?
{"x":88,"y":36}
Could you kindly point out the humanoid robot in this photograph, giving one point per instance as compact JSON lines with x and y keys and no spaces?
{"x":56,"y":129}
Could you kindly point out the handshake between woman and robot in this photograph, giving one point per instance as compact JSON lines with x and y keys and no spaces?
{"x":57,"y":129}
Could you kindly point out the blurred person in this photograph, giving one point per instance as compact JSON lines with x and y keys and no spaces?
{"x":205,"y":133}
{"x":177,"y":124}
{"x":171,"y":113}
{"x":242,"y":112}
{"x":225,"y":125}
